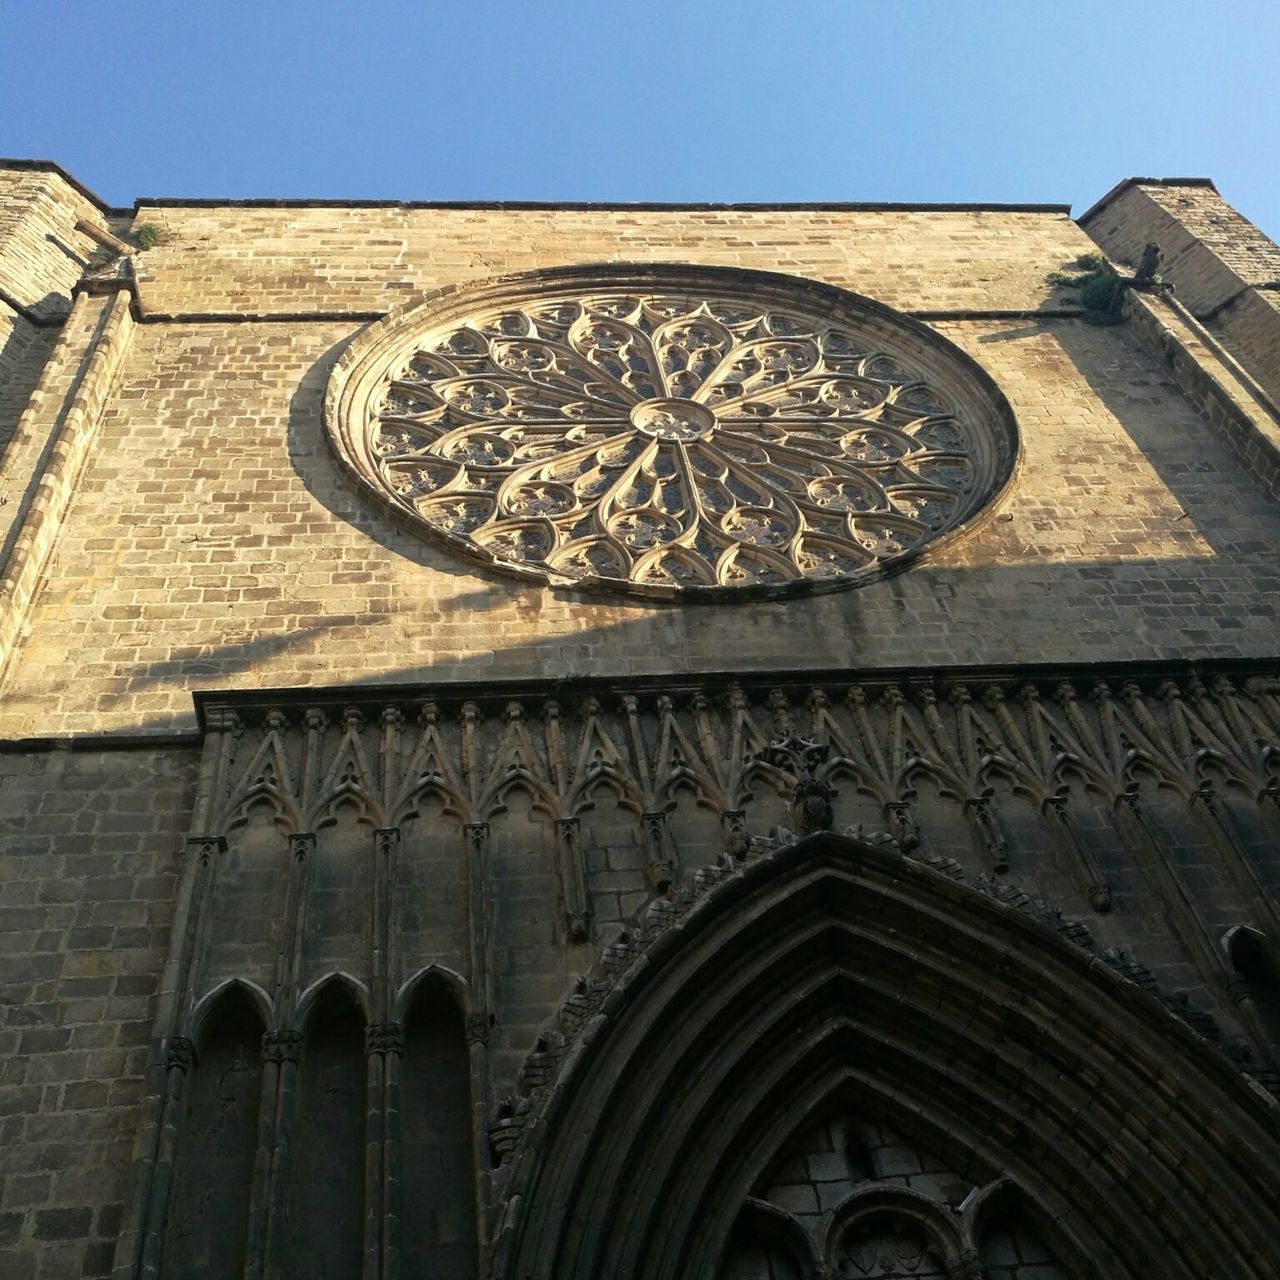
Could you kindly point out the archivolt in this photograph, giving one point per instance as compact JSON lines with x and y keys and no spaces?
{"x":837,"y":968}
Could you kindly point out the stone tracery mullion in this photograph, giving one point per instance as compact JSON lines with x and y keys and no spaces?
{"x":715,"y":381}
{"x":562,"y":351}
{"x":814,"y":379}
{"x":608,"y":504}
{"x":700,"y":317}
{"x":701,"y":517}
{"x":574,"y":450}
{"x":589,"y":323}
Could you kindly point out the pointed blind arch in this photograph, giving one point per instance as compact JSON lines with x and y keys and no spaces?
{"x":325,"y":1196}
{"x":438,"y":1165}
{"x":207,"y":1220}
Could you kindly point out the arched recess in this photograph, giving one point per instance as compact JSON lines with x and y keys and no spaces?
{"x":1257,"y":963}
{"x":839,"y":968}
{"x":437,"y":1144}
{"x":207,"y":1219}
{"x":1012,"y":1244}
{"x":324,"y":1235}
{"x":767,"y":1245}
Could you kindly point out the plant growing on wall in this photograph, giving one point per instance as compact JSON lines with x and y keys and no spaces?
{"x":1098,"y":284}
{"x":146,"y":235}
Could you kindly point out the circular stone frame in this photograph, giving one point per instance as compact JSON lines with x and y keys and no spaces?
{"x":359,"y":384}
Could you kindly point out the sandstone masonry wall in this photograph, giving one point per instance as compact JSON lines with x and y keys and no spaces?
{"x":1219,"y":264}
{"x":204,"y":538}
{"x":214,"y":541}
{"x":90,"y":843}
{"x":288,"y":260}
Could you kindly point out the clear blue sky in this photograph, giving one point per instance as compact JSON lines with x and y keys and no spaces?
{"x":920,"y":100}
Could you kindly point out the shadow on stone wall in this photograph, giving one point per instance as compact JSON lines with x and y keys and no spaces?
{"x":23,"y":356}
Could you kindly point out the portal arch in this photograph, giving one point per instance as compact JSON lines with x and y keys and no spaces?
{"x":836,"y":968}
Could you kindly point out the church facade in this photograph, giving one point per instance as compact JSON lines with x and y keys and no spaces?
{"x":545,"y":741}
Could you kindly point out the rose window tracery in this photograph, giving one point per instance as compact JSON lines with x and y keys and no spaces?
{"x":681,"y":432}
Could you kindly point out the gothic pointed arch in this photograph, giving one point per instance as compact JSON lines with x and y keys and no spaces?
{"x":838,"y":969}
{"x":324,"y":1205}
{"x":437,"y":1172}
{"x":207,"y":1217}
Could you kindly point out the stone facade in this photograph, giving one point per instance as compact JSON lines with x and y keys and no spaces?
{"x":468,"y":924}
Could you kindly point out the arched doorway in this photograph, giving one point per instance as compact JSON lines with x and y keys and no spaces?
{"x":839,"y":974}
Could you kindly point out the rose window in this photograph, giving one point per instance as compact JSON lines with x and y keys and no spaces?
{"x":672,"y":430}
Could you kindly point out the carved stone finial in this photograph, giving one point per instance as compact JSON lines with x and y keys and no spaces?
{"x":799,"y":756}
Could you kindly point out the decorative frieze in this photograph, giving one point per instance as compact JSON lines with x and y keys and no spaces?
{"x":724,"y":744}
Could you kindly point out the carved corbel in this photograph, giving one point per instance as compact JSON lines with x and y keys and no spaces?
{"x":179,"y":1054}
{"x":903,"y":827}
{"x":508,"y":1124}
{"x":811,"y":797}
{"x":282,"y":1045}
{"x":383,"y":1038}
{"x":967,"y":1266}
